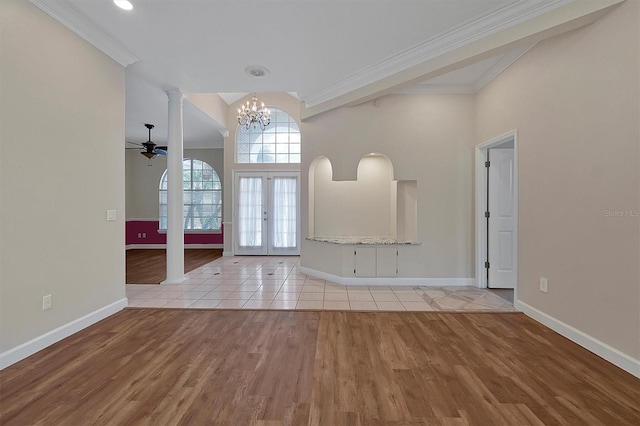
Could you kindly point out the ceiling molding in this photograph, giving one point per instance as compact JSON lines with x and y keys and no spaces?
{"x":471,"y":32}
{"x":425,"y":89}
{"x":469,"y":88}
{"x":74,"y":20}
{"x":566,"y":18}
{"x":504,"y":63}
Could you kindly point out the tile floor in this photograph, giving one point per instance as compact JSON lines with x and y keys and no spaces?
{"x":276,"y":283}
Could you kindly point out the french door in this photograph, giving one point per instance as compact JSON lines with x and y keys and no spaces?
{"x":267,"y":210}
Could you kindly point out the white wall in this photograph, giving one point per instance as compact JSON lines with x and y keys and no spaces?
{"x":428,"y":138}
{"x":143,"y":177}
{"x":61,"y":168}
{"x":574,"y":100}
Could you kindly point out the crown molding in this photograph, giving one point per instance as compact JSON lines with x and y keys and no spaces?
{"x":473,"y":31}
{"x":505,"y":61}
{"x":425,"y":88}
{"x":77,"y":22}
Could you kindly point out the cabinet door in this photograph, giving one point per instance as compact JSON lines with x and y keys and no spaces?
{"x":365,"y":262}
{"x":387,"y":262}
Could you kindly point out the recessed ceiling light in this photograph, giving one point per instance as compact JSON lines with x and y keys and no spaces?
{"x":257,"y":71}
{"x":123,"y":4}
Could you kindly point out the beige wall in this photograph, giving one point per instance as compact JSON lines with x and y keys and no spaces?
{"x":354,"y":208}
{"x":428,"y":138}
{"x":61,"y":168}
{"x":574,"y":100}
{"x":143,"y":177}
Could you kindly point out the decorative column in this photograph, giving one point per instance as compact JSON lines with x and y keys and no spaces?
{"x":175,"y":212}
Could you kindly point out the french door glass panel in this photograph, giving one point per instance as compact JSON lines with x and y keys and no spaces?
{"x":251,"y":237}
{"x":267,"y":213}
{"x":284,"y":213}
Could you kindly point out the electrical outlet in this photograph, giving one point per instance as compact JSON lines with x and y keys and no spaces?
{"x":144,"y":235}
{"x":139,"y":235}
{"x":543,"y":285}
{"x":47,"y":302}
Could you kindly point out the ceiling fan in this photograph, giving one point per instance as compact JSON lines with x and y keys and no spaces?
{"x":150,"y":148}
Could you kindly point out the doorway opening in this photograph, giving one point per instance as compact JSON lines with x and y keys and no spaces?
{"x":496,"y":213}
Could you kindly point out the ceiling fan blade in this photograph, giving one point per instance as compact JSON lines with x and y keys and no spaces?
{"x":134,"y":143}
{"x":160,"y":151}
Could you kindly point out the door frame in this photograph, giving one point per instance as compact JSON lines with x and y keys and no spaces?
{"x":481,"y":201}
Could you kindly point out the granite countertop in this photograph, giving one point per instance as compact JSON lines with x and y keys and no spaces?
{"x":363,"y":240}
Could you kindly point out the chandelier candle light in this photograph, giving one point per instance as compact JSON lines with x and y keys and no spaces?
{"x":249,"y":115}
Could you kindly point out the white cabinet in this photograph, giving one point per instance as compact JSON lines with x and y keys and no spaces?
{"x":368,"y":262}
{"x":386,"y":261}
{"x":365,"y":262}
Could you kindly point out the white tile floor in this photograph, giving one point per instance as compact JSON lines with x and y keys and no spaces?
{"x":276,"y":283}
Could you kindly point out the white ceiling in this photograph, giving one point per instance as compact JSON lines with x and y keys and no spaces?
{"x":319,"y":50}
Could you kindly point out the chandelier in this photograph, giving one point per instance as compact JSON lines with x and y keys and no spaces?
{"x":249,"y":115}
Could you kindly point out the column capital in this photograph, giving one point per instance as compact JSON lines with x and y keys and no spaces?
{"x":175,"y":95}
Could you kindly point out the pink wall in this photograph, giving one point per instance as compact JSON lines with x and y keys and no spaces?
{"x":150,"y":229}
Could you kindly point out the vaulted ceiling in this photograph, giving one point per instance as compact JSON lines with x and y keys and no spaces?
{"x":330,"y":53}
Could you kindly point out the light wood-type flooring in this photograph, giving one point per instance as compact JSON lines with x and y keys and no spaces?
{"x":150,"y":266}
{"x":200,"y":367}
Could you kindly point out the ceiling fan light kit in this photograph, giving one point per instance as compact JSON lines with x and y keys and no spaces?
{"x":150,"y":148}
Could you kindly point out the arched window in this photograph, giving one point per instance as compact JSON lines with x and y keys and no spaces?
{"x":202,"y":196}
{"x":278,"y":143}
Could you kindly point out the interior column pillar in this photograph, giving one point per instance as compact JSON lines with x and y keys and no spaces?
{"x":175,"y":212}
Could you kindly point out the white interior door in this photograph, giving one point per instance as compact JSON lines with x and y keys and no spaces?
{"x":501,"y":219}
{"x":267,"y":213}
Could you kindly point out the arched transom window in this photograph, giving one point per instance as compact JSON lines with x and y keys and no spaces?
{"x":278,"y":143}
{"x":202,"y":196}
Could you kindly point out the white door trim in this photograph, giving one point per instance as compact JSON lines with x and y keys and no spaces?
{"x":480,"y":202}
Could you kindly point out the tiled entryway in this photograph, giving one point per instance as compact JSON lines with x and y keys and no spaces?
{"x":276,"y":283}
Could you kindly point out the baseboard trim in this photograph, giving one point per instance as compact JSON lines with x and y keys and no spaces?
{"x":377,"y":281}
{"x":145,"y":246}
{"x":29,"y":348}
{"x":227,"y":254}
{"x":609,"y":353}
{"x":164,"y":246}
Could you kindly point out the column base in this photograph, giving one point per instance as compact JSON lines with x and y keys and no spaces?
{"x":178,"y":280}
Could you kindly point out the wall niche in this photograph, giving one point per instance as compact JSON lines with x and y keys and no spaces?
{"x":373,"y":206}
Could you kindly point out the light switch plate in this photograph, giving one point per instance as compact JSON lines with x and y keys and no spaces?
{"x":544,"y":285}
{"x":112,"y":215}
{"x":47,"y":302}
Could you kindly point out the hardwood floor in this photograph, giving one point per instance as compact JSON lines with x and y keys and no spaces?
{"x":150,"y":266}
{"x":166,"y":367}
